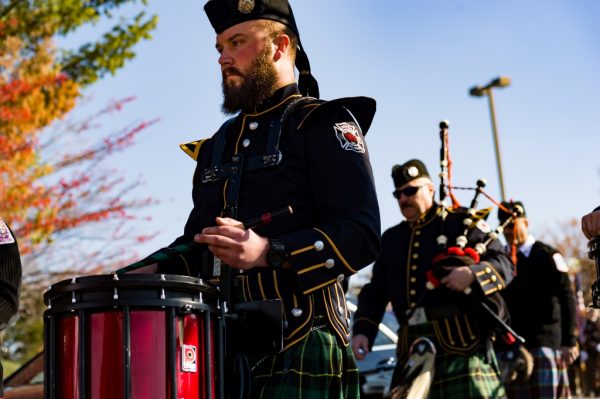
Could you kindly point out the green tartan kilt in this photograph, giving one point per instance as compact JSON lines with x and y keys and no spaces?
{"x":472,"y":375}
{"x":316,"y":367}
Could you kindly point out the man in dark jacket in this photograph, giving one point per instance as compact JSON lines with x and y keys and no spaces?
{"x":465,"y":365}
{"x":10,"y":280}
{"x":284,"y":149}
{"x":541,"y":303}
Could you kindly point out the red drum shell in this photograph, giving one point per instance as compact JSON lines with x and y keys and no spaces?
{"x":132,"y":337}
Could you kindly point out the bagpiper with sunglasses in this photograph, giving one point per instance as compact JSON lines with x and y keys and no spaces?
{"x":444,"y":319}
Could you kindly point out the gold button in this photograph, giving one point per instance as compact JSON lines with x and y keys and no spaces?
{"x":499,"y":286}
{"x":413,"y":267}
{"x":413,"y":279}
{"x":412,"y":304}
{"x":418,"y":232}
{"x":415,"y":256}
{"x":417,"y":244}
{"x":413,"y":292}
{"x":493,"y":278}
{"x":488,"y":270}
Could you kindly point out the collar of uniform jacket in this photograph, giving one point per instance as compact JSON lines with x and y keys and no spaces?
{"x":280,"y":95}
{"x":427,"y":217}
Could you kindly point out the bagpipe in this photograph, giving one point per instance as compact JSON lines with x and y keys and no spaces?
{"x":461,"y":252}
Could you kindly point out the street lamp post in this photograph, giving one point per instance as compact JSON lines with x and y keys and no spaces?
{"x":478,"y":91}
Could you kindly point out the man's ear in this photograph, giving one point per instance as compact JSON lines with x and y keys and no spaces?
{"x":282,"y":45}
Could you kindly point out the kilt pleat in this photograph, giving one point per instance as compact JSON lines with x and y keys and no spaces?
{"x":316,"y":367}
{"x":549,"y":379}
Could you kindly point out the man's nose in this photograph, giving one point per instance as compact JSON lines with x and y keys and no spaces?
{"x":225,"y":58}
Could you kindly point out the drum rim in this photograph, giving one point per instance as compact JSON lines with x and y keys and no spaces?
{"x":134,"y":281}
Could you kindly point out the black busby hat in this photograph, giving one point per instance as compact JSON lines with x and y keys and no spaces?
{"x":513,"y":206}
{"x":223,"y":14}
{"x":408,"y":171}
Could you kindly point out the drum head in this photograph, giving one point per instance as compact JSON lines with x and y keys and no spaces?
{"x":137,"y":290}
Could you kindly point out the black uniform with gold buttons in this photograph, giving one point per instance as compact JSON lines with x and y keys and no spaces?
{"x":451,"y":320}
{"x":399,"y":275}
{"x":322,"y":171}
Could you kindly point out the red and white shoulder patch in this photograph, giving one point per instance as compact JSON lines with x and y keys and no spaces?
{"x":560,"y":263}
{"x":349,"y":137}
{"x":5,"y":236}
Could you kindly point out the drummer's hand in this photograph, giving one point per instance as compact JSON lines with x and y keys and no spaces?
{"x":590,"y":224}
{"x":236,"y":247}
{"x":360,"y":346}
{"x":459,"y":278}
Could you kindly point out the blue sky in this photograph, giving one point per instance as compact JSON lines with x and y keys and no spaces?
{"x":418,"y":59}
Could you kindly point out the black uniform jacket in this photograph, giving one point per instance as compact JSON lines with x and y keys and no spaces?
{"x":541,"y":301}
{"x":399,"y":276}
{"x":10,"y":280}
{"x":324,"y":174}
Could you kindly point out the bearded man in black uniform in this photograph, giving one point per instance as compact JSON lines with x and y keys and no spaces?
{"x":281,"y":149}
{"x":465,"y":364}
{"x":541,"y":303}
{"x":10,"y":280}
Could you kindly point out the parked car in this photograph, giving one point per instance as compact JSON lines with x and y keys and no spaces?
{"x":376,"y":370}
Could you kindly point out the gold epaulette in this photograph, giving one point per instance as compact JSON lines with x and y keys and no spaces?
{"x":193,"y":148}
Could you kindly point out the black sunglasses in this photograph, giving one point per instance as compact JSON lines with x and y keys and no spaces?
{"x":408,"y":191}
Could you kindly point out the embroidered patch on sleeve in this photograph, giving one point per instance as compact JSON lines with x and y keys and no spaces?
{"x":560,"y":263}
{"x":349,"y":137}
{"x":5,"y":236}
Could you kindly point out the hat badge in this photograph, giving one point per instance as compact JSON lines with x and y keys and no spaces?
{"x":413,"y":171}
{"x":246,"y":6}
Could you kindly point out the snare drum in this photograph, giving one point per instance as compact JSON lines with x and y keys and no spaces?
{"x":133,"y":336}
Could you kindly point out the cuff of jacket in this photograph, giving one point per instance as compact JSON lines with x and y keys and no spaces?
{"x":488,"y":278}
{"x":367,"y":327}
{"x":316,"y":259}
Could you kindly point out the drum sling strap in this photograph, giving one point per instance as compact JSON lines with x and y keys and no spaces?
{"x":233,"y":172}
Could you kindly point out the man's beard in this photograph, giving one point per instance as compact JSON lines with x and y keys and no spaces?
{"x":257,"y":85}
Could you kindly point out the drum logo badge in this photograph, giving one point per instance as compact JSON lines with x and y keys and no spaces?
{"x":246,"y":6}
{"x":349,"y":137}
{"x":188,"y":358}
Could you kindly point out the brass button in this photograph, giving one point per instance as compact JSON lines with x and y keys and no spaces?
{"x":413,"y":279}
{"x":413,"y":267}
{"x":488,"y":270}
{"x":417,"y":244}
{"x":413,"y":292}
{"x":493,"y":278}
{"x":415,"y":256}
{"x":319,"y":245}
{"x":418,"y":232}
{"x":412,"y":304}
{"x":329,"y":263}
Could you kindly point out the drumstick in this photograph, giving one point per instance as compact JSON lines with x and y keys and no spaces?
{"x":169,"y":253}
{"x":265,"y":218}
